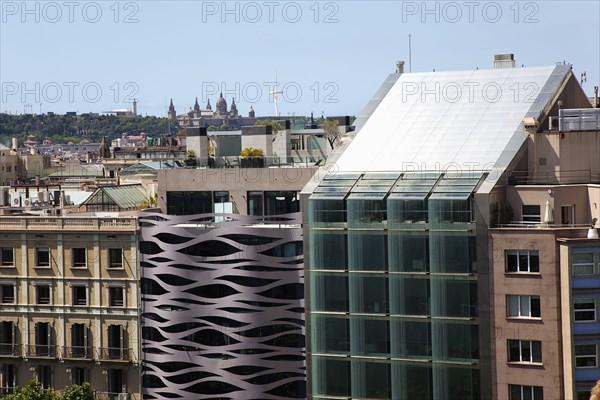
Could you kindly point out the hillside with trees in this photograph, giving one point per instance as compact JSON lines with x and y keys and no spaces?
{"x":65,"y":128}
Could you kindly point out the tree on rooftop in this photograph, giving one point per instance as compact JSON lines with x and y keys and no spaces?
{"x":332,"y":133}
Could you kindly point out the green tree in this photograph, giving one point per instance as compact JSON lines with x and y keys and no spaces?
{"x":33,"y":391}
{"x":275,"y":125}
{"x":332,"y":133}
{"x":79,"y":392}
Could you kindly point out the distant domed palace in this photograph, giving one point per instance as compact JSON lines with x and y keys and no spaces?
{"x":207,"y":117}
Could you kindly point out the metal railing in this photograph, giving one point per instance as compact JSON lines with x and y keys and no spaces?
{"x":81,"y":352}
{"x":553,"y":177}
{"x":114,"y":354}
{"x":10,"y":349}
{"x":70,"y":223}
{"x":41,"y":350}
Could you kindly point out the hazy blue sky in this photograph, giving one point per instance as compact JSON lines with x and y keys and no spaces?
{"x":328,"y":56}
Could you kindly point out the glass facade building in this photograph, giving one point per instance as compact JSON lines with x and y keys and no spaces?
{"x":393,"y":286}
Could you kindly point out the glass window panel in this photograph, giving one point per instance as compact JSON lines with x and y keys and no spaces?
{"x":329,"y":292}
{"x":326,"y":213}
{"x":513,"y":306}
{"x":332,"y":334}
{"x":525,"y":310}
{"x":255,"y":203}
{"x":410,"y":338}
{"x":455,"y":382}
{"x":409,"y":295}
{"x":370,"y":380}
{"x":368,"y":294}
{"x":328,"y":249}
{"x":453,"y":297}
{"x":369,"y":337}
{"x":331,"y":376}
{"x":277,"y":203}
{"x":445,"y":210}
{"x":411,"y":381}
{"x":455,"y":341}
{"x":455,"y":254}
{"x":367,"y":251}
{"x":408,"y":251}
{"x":366,"y":213}
{"x":406,"y":211}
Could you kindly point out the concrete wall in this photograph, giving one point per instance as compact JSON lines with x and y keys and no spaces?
{"x":238,"y":181}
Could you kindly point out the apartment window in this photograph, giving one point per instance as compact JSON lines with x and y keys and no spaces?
{"x":522,"y":261}
{"x":567,"y":215}
{"x":115,"y":258}
{"x":7,"y":257}
{"x":79,"y":293}
{"x":586,"y":356}
{"x":531,"y":213}
{"x":43,"y":340}
{"x":79,"y":375}
{"x":277,"y":203}
{"x":523,"y":306}
{"x":79,"y":341}
{"x":520,"y":392}
{"x":584,"y":310}
{"x":255,"y":203}
{"x":9,"y":375}
{"x":42,"y":294}
{"x":528,"y":351}
{"x":116,"y":380}
{"x":79,"y":257}
{"x":45,"y":376}
{"x":8,"y":338}
{"x":583,"y":263}
{"x":7,"y":293}
{"x":116,"y":342}
{"x":42,"y":257}
{"x":116,"y":296}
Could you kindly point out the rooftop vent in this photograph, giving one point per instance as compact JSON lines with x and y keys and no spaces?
{"x":504,"y":61}
{"x":399,"y":67}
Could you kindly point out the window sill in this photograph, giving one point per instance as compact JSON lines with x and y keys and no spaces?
{"x":79,"y":267}
{"x":525,"y":364}
{"x":518,"y":319}
{"x":42,"y":267}
{"x":120,"y":268}
{"x":8,"y":266}
{"x":523,"y":274}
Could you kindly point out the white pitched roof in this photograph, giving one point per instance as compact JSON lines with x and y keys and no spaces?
{"x":441,"y":120}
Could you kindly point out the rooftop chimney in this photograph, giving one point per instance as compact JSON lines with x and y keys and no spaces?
{"x":399,"y":67}
{"x":504,"y":61}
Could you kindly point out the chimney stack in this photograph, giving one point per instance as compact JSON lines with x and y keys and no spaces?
{"x":504,"y":61}
{"x":399,"y":67}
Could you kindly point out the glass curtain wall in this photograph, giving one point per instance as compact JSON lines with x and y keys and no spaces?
{"x":393,"y":287}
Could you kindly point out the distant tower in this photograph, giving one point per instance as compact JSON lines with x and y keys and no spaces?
{"x":104,"y":150}
{"x":135,"y":107}
{"x":172,"y":115}
{"x":208,"y":106}
{"x":251,"y":113}
{"x":197,"y":109}
{"x":233,"y":112}
{"x":221,"y":106}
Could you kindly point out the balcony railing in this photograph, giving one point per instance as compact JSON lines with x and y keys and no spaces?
{"x":553,"y":177}
{"x":112,"y":396}
{"x":114,"y":354}
{"x":41,"y":350}
{"x":4,"y":391}
{"x":70,"y":223}
{"x":10,"y":349}
{"x":81,"y":352}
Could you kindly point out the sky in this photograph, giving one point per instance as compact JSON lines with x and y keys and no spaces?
{"x":328,"y":57}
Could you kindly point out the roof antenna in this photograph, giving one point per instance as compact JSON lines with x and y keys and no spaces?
{"x":409,"y":54}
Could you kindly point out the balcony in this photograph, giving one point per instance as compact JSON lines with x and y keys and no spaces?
{"x":77,"y":352}
{"x":41,"y":351}
{"x":8,"y":223}
{"x":10,"y":349}
{"x":115,"y":354}
{"x":112,"y":396}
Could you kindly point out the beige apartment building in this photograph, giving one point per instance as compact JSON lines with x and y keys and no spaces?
{"x":70,"y":303}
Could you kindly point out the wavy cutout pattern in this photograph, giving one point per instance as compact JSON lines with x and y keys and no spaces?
{"x":223,"y":307}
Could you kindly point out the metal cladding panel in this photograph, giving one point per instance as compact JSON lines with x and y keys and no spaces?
{"x":223,"y":307}
{"x":441,"y":120}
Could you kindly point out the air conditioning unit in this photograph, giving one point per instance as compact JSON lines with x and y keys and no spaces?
{"x":15,"y":199}
{"x":123,"y":396}
{"x":36,"y":203}
{"x":553,"y":123}
{"x":27,"y":202}
{"x":42,"y":197}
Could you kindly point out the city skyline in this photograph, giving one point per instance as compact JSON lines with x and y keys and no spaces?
{"x":99,"y":56}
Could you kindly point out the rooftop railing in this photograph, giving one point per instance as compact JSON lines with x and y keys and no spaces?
{"x":68,"y":223}
{"x":583,"y":176}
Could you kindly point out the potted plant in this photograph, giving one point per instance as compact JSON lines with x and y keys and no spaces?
{"x":593,"y":232}
{"x":252,"y":158}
